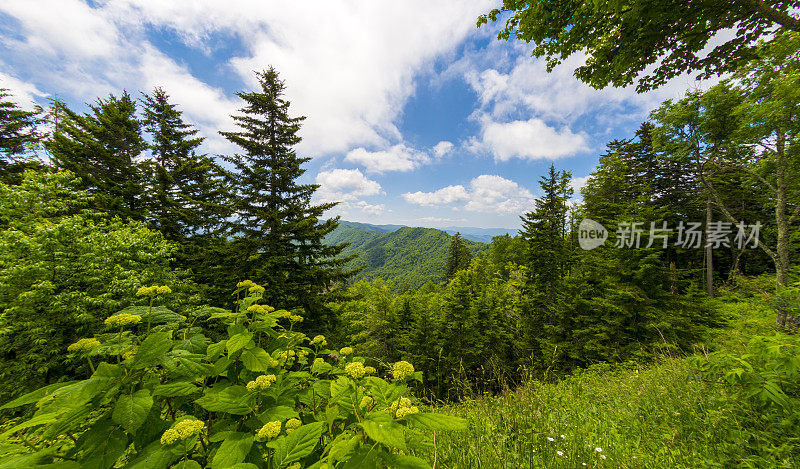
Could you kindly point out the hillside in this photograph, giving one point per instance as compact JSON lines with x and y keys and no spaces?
{"x":406,"y":256}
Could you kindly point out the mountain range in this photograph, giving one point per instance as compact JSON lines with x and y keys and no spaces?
{"x":405,"y":255}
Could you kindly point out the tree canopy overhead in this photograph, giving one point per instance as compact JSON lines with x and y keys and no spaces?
{"x":652,"y":40}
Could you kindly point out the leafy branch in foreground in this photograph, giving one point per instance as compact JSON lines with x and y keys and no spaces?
{"x":162,"y":394}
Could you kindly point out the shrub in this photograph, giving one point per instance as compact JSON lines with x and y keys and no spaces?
{"x":162,"y":394}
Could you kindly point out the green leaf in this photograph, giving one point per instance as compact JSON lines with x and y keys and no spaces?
{"x":187,"y":464}
{"x":256,"y":359}
{"x":280,"y":412}
{"x":178,"y":388}
{"x":213,"y":351}
{"x":389,"y":433}
{"x":231,"y":399}
{"x":153,"y":456}
{"x":233,"y":450}
{"x":406,"y":462}
{"x":106,"y":452}
{"x":299,"y":444}
{"x":131,"y":410}
{"x":160,"y":314}
{"x":35,"y":396}
{"x":37,"y":420}
{"x":438,"y":422}
{"x":238,"y":341}
{"x":153,"y":348}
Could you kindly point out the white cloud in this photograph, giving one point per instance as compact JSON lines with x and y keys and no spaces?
{"x":532,"y":139}
{"x":440,"y":220}
{"x":22,"y":93}
{"x":443,"y":196}
{"x":349,"y":66}
{"x":442,"y":148}
{"x":486,"y":193}
{"x":345,"y":185}
{"x":396,"y":158}
{"x":577,"y":184}
{"x":369,"y":209}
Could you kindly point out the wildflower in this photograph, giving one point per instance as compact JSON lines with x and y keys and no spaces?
{"x":83,"y":344}
{"x":599,"y":450}
{"x":145,"y":291}
{"x":560,"y":453}
{"x":256,"y":289}
{"x":302,"y":353}
{"x":562,"y":437}
{"x":602,"y":456}
{"x":295,"y":318}
{"x":261,"y":309}
{"x":583,"y":464}
{"x":319,"y":340}
{"x":292,"y":425}
{"x":403,"y":411}
{"x":355,"y":369}
{"x":164,"y":290}
{"x":261,"y":383}
{"x":317,"y":361}
{"x":550,"y":439}
{"x":294,"y":466}
{"x":270,"y":430}
{"x":370,"y":370}
{"x":402,"y":370}
{"x":245,"y":284}
{"x":155,"y":290}
{"x":123,"y":319}
{"x":365,"y":401}
{"x":346,"y":351}
{"x":404,"y":402}
{"x":182,"y":430}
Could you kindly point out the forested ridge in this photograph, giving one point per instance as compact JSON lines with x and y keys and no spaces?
{"x":165,"y":308}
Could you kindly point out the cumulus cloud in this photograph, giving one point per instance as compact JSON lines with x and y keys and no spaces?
{"x":532,"y":139}
{"x":350,"y":67}
{"x":486,"y":193}
{"x":442,"y":148}
{"x":396,"y":158}
{"x":443,"y":196}
{"x":343,"y":185}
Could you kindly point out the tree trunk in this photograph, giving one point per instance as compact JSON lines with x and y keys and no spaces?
{"x":783,"y":318}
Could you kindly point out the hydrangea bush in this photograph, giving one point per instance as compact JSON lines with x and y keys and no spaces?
{"x":161,"y":394}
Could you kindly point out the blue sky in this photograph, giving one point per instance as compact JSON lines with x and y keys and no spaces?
{"x":414,"y":116}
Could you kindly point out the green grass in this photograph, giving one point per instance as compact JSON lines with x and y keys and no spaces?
{"x":647,"y":416}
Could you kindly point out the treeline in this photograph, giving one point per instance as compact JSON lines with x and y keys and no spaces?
{"x":712,"y":172}
{"x":95,"y":205}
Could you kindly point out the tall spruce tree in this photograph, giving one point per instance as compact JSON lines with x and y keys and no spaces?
{"x":18,"y":136}
{"x":185,"y":190}
{"x":101,"y":147}
{"x":458,"y":257}
{"x":545,"y":230}
{"x":278,"y":234}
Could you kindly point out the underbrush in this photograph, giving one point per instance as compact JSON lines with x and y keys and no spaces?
{"x":677,"y":412}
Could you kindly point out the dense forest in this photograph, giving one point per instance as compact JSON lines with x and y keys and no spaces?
{"x":160,"y":307}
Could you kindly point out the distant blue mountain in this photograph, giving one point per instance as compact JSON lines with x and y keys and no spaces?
{"x":479,"y":235}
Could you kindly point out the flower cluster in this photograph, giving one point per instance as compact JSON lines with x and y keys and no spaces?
{"x":123,"y":319}
{"x":261,"y":309}
{"x":245,"y":284}
{"x":402,"y":370}
{"x":366,"y":401}
{"x":83,"y":344}
{"x":403,"y":407}
{"x":270,"y":430}
{"x":295,"y":318}
{"x":319,"y":360}
{"x":182,"y":430}
{"x":256,"y":289}
{"x":261,"y":383}
{"x":319,"y":340}
{"x":292,"y":425}
{"x":154,"y":291}
{"x":355,"y":369}
{"x":370,"y":370}
{"x":346,"y":351}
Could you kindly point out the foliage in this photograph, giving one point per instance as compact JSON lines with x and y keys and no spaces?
{"x":19,"y":135}
{"x":624,"y":38}
{"x":164,"y":395}
{"x":63,"y":270}
{"x":408,"y":257}
{"x":458,"y":257}
{"x":278,"y":233}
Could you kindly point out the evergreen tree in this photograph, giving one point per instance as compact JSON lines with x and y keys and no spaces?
{"x":101,"y":147}
{"x":458,"y":257}
{"x":545,"y":230}
{"x":278,"y":232}
{"x":18,"y":135}
{"x":185,"y":191}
